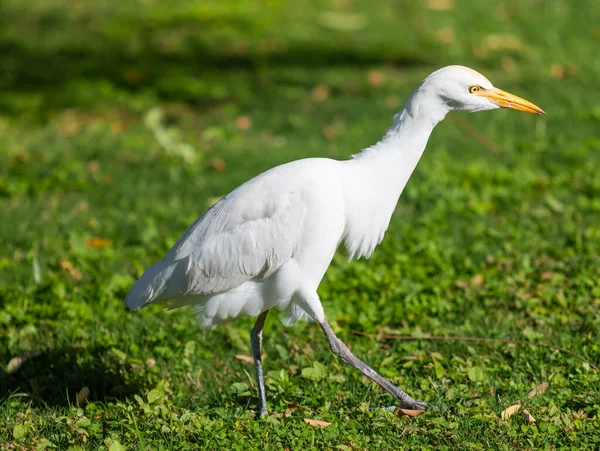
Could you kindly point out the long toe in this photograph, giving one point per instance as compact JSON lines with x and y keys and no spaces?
{"x":419,"y":405}
{"x":414,"y":404}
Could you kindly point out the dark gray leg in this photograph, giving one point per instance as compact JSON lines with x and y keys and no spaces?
{"x":256,"y":340}
{"x":342,"y":351}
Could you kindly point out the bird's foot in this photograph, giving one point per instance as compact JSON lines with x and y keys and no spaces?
{"x":414,"y":404}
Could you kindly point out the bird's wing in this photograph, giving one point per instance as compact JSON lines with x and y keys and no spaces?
{"x":252,"y":240}
{"x":244,"y":236}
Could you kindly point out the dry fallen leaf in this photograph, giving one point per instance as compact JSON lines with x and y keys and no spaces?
{"x":218,"y":164}
{"x":508,"y":64}
{"x":510,"y":411}
{"x":408,"y":413}
{"x":243,"y":123}
{"x":376,"y":78}
{"x":557,"y":71}
{"x":320,"y":93}
{"x":117,"y":127}
{"x":244,"y":358}
{"x":93,"y":166}
{"x":316,"y":423}
{"x":538,"y":390}
{"x":83,"y":395}
{"x":68,"y":266}
{"x":477,"y":280}
{"x":528,"y":417}
{"x":97,"y":242}
{"x":440,"y":5}
{"x":329,"y":132}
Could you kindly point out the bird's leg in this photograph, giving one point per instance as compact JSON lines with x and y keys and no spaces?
{"x":342,"y":351}
{"x":256,"y":340}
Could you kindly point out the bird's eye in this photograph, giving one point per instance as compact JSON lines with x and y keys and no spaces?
{"x":474,"y":88}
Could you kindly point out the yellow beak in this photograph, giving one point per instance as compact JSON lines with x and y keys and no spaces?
{"x":507,"y":100}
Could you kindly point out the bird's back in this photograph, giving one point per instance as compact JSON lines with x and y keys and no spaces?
{"x":247,"y":235}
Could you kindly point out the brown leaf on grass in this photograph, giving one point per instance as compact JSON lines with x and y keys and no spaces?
{"x":320,"y":93}
{"x":528,"y":417}
{"x":408,"y":412}
{"x":316,"y":423}
{"x":557,"y":71}
{"x":97,"y":242}
{"x":462,"y":284}
{"x":93,"y":166}
{"x":376,"y":77}
{"x":68,"y":267}
{"x":477,"y":280}
{"x":439,"y":5}
{"x":243,"y":123}
{"x":117,"y":127}
{"x":510,"y":411}
{"x":244,"y":358}
{"x":538,"y":390}
{"x":218,"y":164}
{"x":83,"y":395}
{"x":329,"y":132}
{"x":508,"y":64}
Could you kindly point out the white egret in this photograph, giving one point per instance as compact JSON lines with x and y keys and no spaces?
{"x":268,"y":243}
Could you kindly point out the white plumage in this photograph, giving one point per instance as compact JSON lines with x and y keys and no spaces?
{"x":268,"y":243}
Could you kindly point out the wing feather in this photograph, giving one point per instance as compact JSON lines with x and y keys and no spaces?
{"x":237,"y":240}
{"x":255,"y":248}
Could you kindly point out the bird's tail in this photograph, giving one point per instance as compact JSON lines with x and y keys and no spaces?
{"x":163,"y":280}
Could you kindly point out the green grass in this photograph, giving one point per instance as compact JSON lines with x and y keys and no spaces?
{"x":483,"y":244}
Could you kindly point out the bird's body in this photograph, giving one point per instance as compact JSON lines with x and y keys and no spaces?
{"x":268,"y":243}
{"x":313,"y":205}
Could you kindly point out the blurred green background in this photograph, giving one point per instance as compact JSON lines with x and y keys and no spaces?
{"x":121,"y":122}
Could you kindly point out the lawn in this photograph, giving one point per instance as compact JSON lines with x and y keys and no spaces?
{"x":121,"y":122}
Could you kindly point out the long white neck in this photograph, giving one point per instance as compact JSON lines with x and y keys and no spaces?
{"x":397,"y":154}
{"x":377,"y":175}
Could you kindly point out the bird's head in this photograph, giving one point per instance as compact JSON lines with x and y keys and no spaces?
{"x":461,"y":88}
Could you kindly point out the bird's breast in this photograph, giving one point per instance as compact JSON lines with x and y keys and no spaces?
{"x":370,"y":203}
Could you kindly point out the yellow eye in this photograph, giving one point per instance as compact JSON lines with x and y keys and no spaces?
{"x":474,"y":88}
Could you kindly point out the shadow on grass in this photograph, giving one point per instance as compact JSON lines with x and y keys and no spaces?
{"x":55,"y":378}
